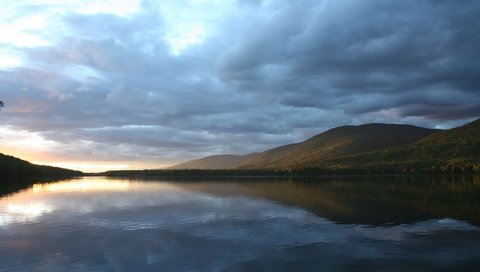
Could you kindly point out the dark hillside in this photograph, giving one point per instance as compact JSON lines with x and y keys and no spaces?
{"x":14,"y":167}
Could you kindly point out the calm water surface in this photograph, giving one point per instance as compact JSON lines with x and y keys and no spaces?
{"x":335,"y":224}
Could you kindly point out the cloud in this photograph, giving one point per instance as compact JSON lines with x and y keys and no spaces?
{"x":347,"y":49}
{"x":262,"y":73}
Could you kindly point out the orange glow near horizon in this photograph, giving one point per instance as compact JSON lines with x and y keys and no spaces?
{"x":26,"y":145}
{"x":87,"y":166}
{"x":98,"y":167}
{"x":44,"y":158}
{"x":32,"y":147}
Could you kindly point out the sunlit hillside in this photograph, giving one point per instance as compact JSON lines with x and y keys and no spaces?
{"x":456,"y":149}
{"x":340,"y":141}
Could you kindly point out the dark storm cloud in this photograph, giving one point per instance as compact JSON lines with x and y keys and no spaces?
{"x":378,"y":50}
{"x":269,"y":73}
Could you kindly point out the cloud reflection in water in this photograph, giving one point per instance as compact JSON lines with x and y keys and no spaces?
{"x":168,"y":226}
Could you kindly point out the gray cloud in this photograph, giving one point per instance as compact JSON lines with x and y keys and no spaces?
{"x":346,"y":49}
{"x":269,"y":73}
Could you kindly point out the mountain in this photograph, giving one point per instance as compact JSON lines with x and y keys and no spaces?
{"x":15,"y":167}
{"x":337,"y":142}
{"x":215,"y":162}
{"x":454,"y":150}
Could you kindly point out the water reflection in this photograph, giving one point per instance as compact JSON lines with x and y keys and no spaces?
{"x":96,"y":224}
{"x":368,"y":200}
{"x":93,"y":184}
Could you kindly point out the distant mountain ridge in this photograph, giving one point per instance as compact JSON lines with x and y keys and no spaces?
{"x":227,"y":161}
{"x":334,"y":143}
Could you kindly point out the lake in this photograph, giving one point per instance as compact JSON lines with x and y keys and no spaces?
{"x":256,"y":224}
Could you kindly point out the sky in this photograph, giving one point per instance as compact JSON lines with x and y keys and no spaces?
{"x":105,"y":84}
